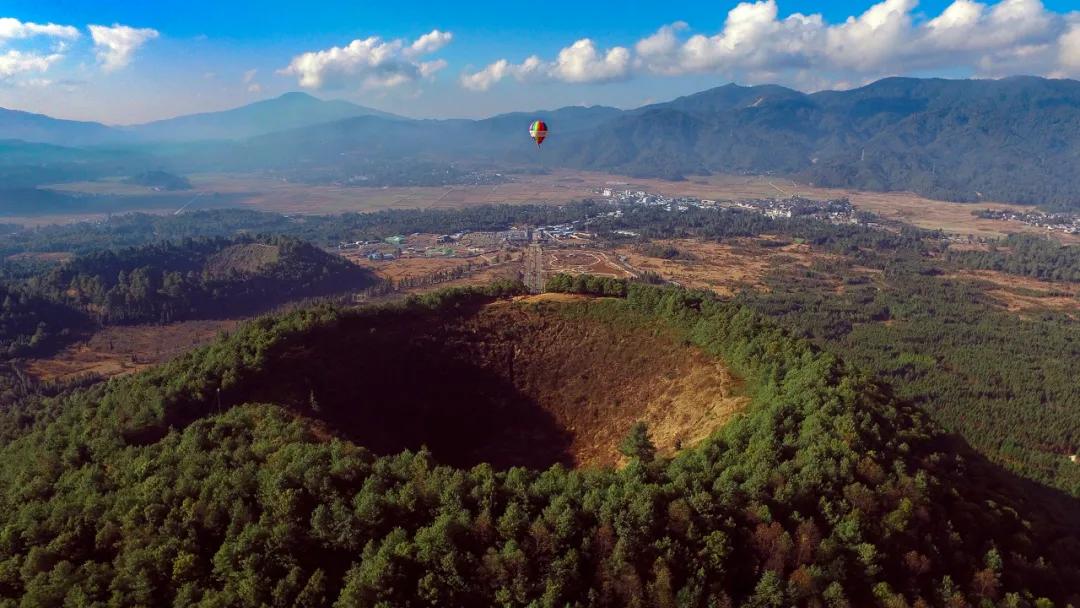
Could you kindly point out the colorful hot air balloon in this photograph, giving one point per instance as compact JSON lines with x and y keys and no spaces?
{"x":538,"y":131}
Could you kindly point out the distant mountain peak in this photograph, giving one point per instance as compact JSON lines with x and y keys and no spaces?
{"x":296,"y":96}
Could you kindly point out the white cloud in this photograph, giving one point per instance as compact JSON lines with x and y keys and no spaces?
{"x":579,"y":62}
{"x":429,"y":43}
{"x":483,"y":79}
{"x":656,"y":51}
{"x":16,"y":62}
{"x":372,"y":62}
{"x":428,"y":69}
{"x":116,"y":45}
{"x":1069,"y":51}
{"x":756,"y":44}
{"x":871,"y":40}
{"x":13,"y":29}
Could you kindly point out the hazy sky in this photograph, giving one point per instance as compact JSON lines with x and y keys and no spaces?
{"x":127,"y":61}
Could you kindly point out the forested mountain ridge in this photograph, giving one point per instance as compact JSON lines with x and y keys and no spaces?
{"x":1014,"y":139}
{"x":827,"y":492}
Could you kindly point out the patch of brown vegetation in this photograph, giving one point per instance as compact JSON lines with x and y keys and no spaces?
{"x":242,"y":259}
{"x":409,"y":268}
{"x":973,"y":246}
{"x":722,"y":267}
{"x":44,"y":256}
{"x":1024,"y":294}
{"x":114,"y":351}
{"x":597,"y":379}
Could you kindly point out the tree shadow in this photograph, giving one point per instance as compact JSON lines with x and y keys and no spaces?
{"x":1049,"y":517}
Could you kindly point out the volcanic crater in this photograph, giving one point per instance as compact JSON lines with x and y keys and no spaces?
{"x":530,"y":382}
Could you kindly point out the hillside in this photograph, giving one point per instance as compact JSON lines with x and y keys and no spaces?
{"x":196,"y":278}
{"x":164,"y":282}
{"x":1014,"y":139}
{"x":230,"y":477}
{"x":39,"y":128}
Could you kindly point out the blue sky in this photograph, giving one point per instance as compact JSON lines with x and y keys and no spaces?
{"x":153,"y":59}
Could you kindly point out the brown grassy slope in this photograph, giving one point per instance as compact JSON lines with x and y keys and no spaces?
{"x":243,"y":259}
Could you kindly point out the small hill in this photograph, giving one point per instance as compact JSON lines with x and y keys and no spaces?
{"x":196,"y":279}
{"x":159,"y":180}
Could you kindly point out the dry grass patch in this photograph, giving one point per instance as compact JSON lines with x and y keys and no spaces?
{"x":115,"y":351}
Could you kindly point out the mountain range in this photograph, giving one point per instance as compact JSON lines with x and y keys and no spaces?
{"x":289,"y":111}
{"x":1015,"y":139}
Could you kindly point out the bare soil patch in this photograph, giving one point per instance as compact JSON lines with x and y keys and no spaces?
{"x":1025,"y":294}
{"x":582,"y":261}
{"x":722,"y":267}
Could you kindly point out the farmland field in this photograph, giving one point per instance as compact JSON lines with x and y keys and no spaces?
{"x":559,"y":187}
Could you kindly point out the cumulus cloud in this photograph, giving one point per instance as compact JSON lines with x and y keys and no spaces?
{"x":890,"y":37}
{"x":1069,"y":52}
{"x":483,"y":79}
{"x":13,"y":29}
{"x":885,"y":39}
{"x":116,"y":45}
{"x":16,"y":62}
{"x":579,"y":62}
{"x":429,"y":43}
{"x":372,"y":62}
{"x":657,"y":51}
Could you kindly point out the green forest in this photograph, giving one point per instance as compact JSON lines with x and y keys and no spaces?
{"x":1026,"y":255}
{"x":152,"y":490}
{"x":939,"y":341}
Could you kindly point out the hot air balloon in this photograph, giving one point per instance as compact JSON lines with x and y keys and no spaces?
{"x":538,"y":131}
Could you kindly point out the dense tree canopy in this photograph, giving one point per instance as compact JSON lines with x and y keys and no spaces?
{"x":828,"y":492}
{"x":1026,"y":255}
